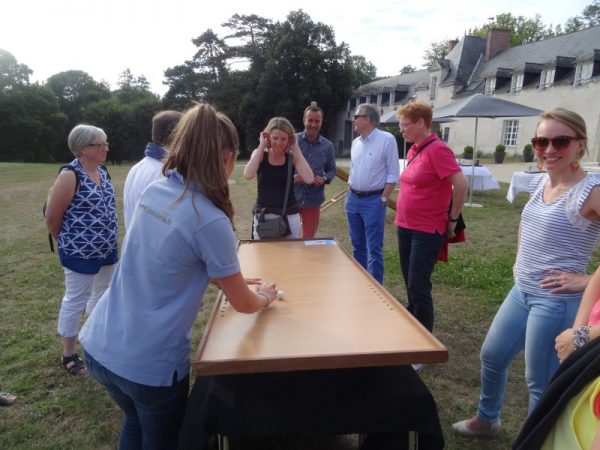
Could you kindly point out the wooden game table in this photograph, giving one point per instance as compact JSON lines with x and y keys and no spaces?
{"x":331,"y":357}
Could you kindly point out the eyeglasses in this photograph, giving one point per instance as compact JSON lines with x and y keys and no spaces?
{"x":558,"y":142}
{"x":101,"y":145}
{"x":404,"y":126}
{"x":356,"y":116}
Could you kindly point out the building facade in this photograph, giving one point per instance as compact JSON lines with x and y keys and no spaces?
{"x":561,"y":71}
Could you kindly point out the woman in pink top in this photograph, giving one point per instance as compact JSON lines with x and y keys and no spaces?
{"x":587,"y":321}
{"x":430,"y":180}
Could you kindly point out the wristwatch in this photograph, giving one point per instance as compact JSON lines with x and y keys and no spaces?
{"x":383,"y":199}
{"x":450,"y":219}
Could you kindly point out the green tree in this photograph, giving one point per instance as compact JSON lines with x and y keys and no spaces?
{"x":363,"y":71}
{"x":408,"y":69}
{"x":590,"y":17}
{"x":12,"y":74}
{"x":288,"y":64}
{"x":132,"y":88}
{"x":31,"y":124}
{"x":192,"y":80}
{"x":437,"y":50}
{"x":522,"y":29}
{"x":75,"y":90}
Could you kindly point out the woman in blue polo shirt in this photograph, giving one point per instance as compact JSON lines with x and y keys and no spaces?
{"x":137,"y":340}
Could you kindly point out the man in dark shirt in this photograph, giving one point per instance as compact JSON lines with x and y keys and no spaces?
{"x":318,"y":152}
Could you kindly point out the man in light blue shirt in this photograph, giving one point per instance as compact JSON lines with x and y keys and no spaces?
{"x":374,"y":171}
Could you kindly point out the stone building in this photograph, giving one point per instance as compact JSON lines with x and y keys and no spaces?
{"x":559,"y":71}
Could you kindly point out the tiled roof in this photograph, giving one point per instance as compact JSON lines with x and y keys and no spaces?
{"x":466,"y":68}
{"x":413,"y":80}
{"x":463,"y":58}
{"x":579,"y":45}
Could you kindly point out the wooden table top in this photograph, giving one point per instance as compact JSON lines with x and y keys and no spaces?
{"x":333,"y":315}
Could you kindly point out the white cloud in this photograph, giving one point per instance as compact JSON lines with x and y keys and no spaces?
{"x":105,"y":37}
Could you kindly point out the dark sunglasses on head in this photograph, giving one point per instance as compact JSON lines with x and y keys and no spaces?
{"x":558,"y":142}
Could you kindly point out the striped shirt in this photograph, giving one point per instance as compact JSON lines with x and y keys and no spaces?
{"x":554,"y":236}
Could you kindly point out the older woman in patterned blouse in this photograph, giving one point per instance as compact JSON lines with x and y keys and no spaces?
{"x":81,"y":215}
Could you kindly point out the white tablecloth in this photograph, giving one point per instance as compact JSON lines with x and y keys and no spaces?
{"x":519,"y":182}
{"x":482,"y":177}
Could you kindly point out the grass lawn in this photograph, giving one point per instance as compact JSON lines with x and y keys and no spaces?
{"x":57,"y":411}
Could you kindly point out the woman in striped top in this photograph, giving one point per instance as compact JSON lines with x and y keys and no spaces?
{"x":559,"y":227}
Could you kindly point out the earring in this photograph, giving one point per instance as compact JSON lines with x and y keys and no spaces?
{"x":575,"y":165}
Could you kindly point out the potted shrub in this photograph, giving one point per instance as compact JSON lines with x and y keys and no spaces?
{"x":499,"y":154}
{"x":468,"y":152}
{"x":528,"y":153}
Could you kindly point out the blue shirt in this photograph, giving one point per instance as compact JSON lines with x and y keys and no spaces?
{"x":87,"y":238}
{"x":142,"y":326}
{"x":321,"y":159}
{"x":374,"y":161}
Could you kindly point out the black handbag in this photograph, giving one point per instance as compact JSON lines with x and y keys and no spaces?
{"x":278,"y":227}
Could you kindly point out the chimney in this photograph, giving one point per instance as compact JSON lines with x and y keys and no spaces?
{"x":497,"y":40}
{"x":451,"y":44}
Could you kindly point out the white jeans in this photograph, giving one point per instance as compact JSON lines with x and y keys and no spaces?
{"x":82,"y":291}
{"x":293,"y":220}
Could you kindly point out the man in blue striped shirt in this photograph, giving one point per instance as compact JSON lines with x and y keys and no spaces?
{"x":374,"y":171}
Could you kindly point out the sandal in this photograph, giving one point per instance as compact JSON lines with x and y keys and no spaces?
{"x":6,"y":399}
{"x":74,"y":364}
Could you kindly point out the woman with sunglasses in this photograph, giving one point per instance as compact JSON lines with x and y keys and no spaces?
{"x":559,"y":227}
{"x":81,"y":216}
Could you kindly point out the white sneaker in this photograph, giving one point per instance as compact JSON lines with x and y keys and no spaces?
{"x":476,"y":427}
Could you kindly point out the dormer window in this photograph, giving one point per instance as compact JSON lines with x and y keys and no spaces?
{"x":433,"y":88}
{"x":516,"y":83}
{"x":583,"y":73}
{"x":547,"y":78}
{"x":490,"y":86}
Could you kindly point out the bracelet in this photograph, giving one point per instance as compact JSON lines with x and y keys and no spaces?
{"x":450,"y":219}
{"x":267,"y":298}
{"x":581,"y":336}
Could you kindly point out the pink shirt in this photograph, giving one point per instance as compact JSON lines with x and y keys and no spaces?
{"x":425,"y":191}
{"x":594,"y":318}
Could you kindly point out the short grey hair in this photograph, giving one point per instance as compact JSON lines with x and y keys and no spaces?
{"x":371,"y":112}
{"x":83,"y":135}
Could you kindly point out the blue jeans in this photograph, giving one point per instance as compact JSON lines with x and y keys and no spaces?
{"x":525,"y":322}
{"x":418,"y":255}
{"x":366,"y":221}
{"x":153,"y":415}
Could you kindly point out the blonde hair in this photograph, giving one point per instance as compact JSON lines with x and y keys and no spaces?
{"x":199,"y":141}
{"x":417,"y":110}
{"x":280,"y":123}
{"x":571,"y":119}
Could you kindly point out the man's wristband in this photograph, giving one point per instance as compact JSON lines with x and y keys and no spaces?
{"x":450,"y":219}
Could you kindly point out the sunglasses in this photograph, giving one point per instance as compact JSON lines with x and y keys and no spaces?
{"x":558,"y":142}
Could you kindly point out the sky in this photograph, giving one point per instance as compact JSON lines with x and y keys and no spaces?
{"x":105,"y":37}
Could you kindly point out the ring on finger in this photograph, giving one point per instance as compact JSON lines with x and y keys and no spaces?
{"x":555,"y":283}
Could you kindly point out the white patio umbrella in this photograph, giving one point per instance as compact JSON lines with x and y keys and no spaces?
{"x":477,"y":106}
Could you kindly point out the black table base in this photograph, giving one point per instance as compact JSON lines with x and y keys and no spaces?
{"x":380,"y":402}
